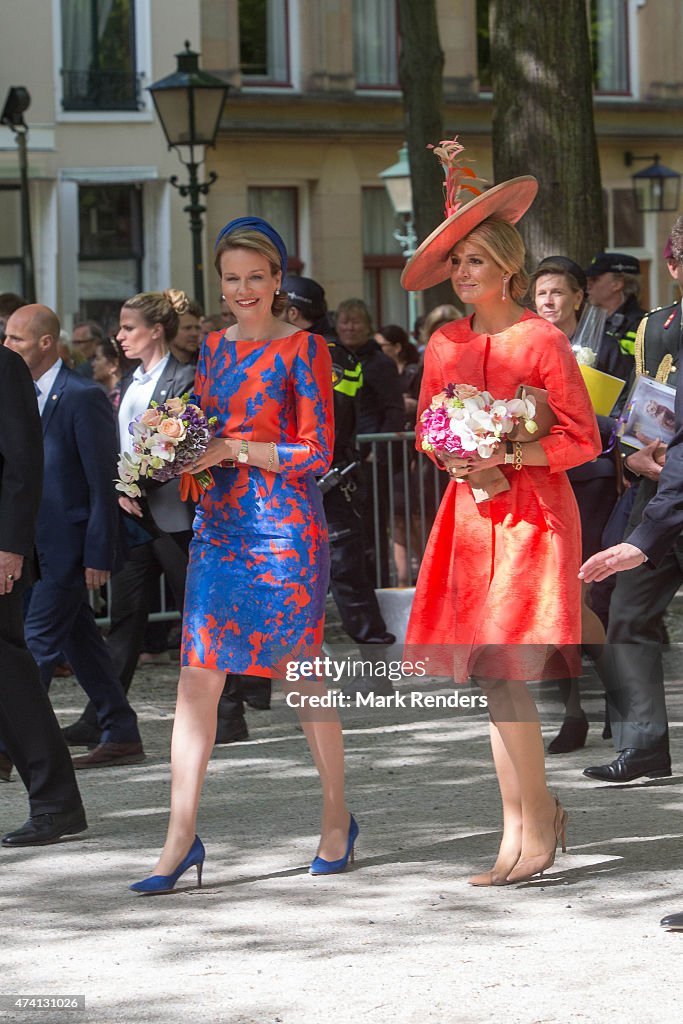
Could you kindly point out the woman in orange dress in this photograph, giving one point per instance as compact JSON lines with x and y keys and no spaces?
{"x":497,"y":592}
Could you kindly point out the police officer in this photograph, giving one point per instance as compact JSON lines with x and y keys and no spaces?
{"x":350,"y":584}
{"x":614,"y":285}
{"x":631,"y":666}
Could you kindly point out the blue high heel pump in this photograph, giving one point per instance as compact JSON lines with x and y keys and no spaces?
{"x":157,"y":884}
{"x":319,"y":866}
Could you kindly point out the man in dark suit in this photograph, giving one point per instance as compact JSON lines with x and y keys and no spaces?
{"x":27,"y":722}
{"x":631,"y":665}
{"x":652,"y":550}
{"x":77,"y":532}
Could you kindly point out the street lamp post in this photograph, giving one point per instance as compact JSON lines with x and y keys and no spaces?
{"x":189,"y":104}
{"x":397,"y":183}
{"x":656,"y":188}
{"x":18,"y":101}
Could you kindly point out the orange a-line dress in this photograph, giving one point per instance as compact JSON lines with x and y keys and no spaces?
{"x":498,"y":595}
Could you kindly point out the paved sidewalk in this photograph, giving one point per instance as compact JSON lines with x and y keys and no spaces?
{"x":400,"y":938}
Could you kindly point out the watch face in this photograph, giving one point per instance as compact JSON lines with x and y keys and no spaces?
{"x":243,"y":457}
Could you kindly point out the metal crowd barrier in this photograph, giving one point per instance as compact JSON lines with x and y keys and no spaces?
{"x":405,"y":488}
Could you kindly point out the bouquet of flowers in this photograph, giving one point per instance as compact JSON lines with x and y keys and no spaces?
{"x":167,"y":439}
{"x":462,"y":420}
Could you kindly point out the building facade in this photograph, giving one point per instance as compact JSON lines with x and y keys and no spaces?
{"x":317,"y":115}
{"x":313,"y":117}
{"x":105,"y":221}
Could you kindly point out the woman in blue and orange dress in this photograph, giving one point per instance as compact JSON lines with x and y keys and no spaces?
{"x":259,"y":561}
{"x":498,"y":594}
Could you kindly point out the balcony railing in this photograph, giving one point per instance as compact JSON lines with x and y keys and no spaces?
{"x":101,"y":90}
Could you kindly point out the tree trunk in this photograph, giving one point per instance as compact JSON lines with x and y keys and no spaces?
{"x":421,"y":78}
{"x":543,"y":123}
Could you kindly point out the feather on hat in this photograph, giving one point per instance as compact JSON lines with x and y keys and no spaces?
{"x":508,"y":201}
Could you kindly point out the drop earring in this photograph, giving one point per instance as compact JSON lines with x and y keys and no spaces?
{"x":505,"y":285}
{"x":277,"y":291}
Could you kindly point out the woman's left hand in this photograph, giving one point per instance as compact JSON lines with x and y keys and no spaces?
{"x":217,"y":451}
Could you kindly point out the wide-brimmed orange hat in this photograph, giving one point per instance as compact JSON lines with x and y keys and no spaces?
{"x":508,"y":201}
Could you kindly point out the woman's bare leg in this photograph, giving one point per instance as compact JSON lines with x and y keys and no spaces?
{"x":514,"y":715}
{"x":511,"y":843}
{"x":323,"y":733}
{"x":194,"y":734}
{"x":592,"y":636}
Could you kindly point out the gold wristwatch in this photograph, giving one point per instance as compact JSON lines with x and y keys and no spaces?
{"x":243,"y":454}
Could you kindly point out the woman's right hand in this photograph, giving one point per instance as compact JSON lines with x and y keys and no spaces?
{"x":456,"y":467}
{"x":131,"y":506}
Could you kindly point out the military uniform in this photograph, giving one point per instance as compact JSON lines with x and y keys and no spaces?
{"x":350,"y":585}
{"x":632,"y":668}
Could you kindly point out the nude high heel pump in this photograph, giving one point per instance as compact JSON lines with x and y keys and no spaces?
{"x":530,"y":866}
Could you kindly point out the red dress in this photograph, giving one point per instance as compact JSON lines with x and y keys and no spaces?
{"x":498,"y":594}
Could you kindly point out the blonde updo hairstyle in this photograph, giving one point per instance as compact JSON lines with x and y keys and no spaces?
{"x":163,"y":308}
{"x":246,"y":238}
{"x":503,"y":244}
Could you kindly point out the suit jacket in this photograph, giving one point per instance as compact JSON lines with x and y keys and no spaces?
{"x":166,"y":508}
{"x":78,"y":521}
{"x":21,"y":456}
{"x":662,"y":516}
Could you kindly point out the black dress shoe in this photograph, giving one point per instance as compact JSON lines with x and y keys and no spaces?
{"x":106,"y":755}
{"x":43,"y":829}
{"x":257,"y":694}
{"x":231,"y":730}
{"x":81,"y":734}
{"x":633,"y":764}
{"x":572,"y":735}
{"x":674,"y":922}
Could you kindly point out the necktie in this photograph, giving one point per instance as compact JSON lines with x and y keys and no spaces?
{"x":38,"y":391}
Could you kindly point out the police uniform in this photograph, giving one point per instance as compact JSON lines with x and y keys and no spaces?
{"x":617,"y":347}
{"x":632,"y":668}
{"x":350,"y":585}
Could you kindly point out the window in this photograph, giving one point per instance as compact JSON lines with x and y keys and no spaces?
{"x":375,"y":44}
{"x":11,"y":261}
{"x":110,"y":248}
{"x":280,"y":207}
{"x":625,"y":226}
{"x":609,"y":41}
{"x":383,"y":260}
{"x":264,"y":42}
{"x":98,"y":55}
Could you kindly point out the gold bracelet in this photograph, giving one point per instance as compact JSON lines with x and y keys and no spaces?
{"x":518,"y":456}
{"x":271,"y":457}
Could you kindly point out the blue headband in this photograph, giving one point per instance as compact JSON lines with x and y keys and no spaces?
{"x":260,"y":225}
